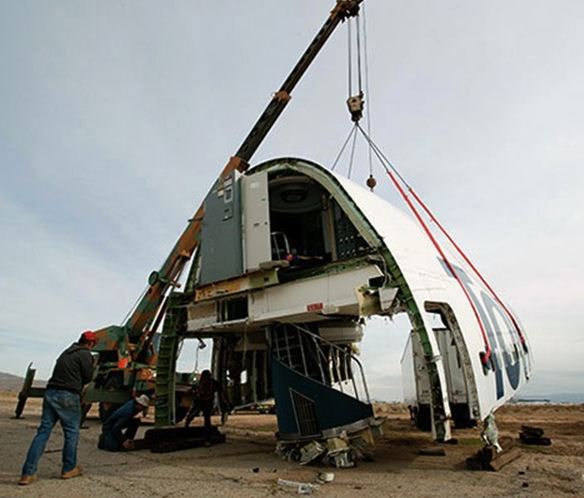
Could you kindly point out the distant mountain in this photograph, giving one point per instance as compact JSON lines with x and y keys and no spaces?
{"x":9,"y":382}
{"x":13,"y":383}
{"x":553,"y":398}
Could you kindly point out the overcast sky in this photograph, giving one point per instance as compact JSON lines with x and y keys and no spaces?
{"x":116,"y":117}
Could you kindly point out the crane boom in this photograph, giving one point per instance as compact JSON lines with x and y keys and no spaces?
{"x":125,"y":354}
{"x":161,"y":281}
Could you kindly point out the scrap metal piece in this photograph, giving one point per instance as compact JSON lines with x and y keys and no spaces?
{"x":336,"y":445}
{"x":343,"y":460}
{"x":490,"y":432}
{"x":302,"y":488}
{"x":340,"y":452}
{"x":288,"y":451}
{"x":324,"y":477}
{"x":311,"y":452}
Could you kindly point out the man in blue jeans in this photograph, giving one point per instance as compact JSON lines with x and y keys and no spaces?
{"x":119,"y":430}
{"x":62,"y":402}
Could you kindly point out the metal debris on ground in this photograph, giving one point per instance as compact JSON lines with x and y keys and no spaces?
{"x":533,"y":435}
{"x":311,"y":452}
{"x":342,"y":451}
{"x":324,"y":477}
{"x":339,"y":452}
{"x":302,"y":488}
{"x":490,"y":432}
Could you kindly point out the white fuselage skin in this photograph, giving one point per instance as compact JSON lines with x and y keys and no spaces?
{"x":429,"y":280}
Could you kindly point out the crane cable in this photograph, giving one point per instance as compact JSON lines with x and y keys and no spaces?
{"x":352,"y":157}
{"x":456,"y":247}
{"x":351,"y":132}
{"x":356,"y":103}
{"x":394,"y":175}
{"x":350,"y":83}
{"x":349,"y":60}
{"x":135,"y":305}
{"x":396,"y":178}
{"x":358,"y":40}
{"x":356,"y":115}
{"x":367,"y":92}
{"x":387,"y":165}
{"x":354,"y":54}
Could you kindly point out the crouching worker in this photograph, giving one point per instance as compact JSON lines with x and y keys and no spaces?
{"x":120,"y":428}
{"x":204,"y":398}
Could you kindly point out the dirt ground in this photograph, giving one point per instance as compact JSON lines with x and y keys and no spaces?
{"x":228,"y":469}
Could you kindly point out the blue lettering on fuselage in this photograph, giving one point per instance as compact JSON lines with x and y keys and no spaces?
{"x":488,"y":309}
{"x":510,"y":360}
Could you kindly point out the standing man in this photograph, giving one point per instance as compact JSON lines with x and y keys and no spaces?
{"x":73,"y":369}
{"x":204,"y":397}
{"x":120,"y":428}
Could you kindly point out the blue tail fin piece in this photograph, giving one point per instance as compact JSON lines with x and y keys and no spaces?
{"x":319,"y":387}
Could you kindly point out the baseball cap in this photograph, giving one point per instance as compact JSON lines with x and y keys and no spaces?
{"x":143,"y":400}
{"x":89,"y":336}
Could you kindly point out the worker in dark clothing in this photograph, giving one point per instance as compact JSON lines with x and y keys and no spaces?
{"x":73,"y":369}
{"x":203,"y":398}
{"x":120,"y":428}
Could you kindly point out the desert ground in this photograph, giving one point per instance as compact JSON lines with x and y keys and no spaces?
{"x":246,"y":464}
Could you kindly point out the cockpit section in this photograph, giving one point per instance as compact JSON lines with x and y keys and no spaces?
{"x":308,"y":229}
{"x":281,"y":221}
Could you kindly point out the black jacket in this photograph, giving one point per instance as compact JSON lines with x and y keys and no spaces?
{"x":74,"y":369}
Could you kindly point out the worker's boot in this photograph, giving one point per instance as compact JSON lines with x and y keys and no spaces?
{"x":25,"y":480}
{"x":74,"y":472}
{"x":129,"y":445}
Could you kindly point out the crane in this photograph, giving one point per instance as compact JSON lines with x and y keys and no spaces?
{"x":126,"y":355}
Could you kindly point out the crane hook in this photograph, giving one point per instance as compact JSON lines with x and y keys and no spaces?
{"x":356,"y":104}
